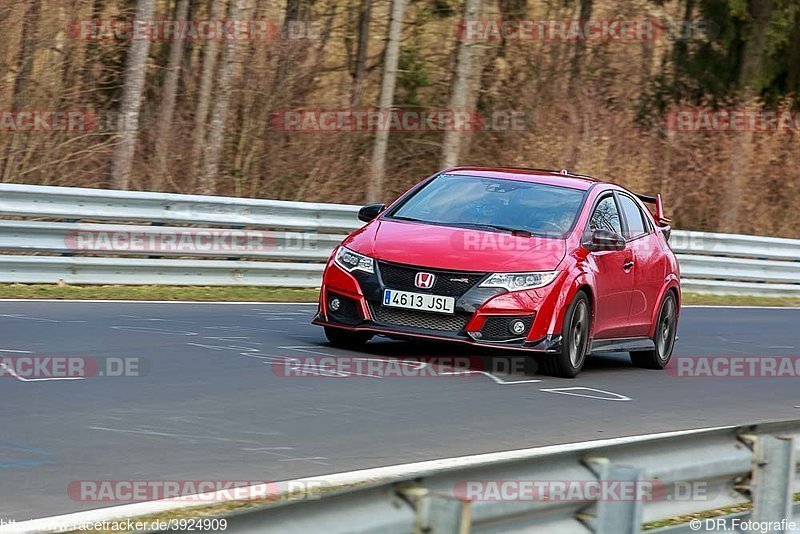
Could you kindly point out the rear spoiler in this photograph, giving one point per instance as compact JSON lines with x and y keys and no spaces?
{"x":661,"y":220}
{"x":659,"y":216}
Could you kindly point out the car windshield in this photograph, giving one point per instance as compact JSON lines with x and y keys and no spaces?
{"x":493,"y":203}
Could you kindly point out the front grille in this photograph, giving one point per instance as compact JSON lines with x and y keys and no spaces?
{"x":496,"y":328}
{"x":348,"y":311}
{"x":447,"y":283}
{"x":422,"y":320}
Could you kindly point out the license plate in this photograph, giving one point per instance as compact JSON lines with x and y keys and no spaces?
{"x":418,"y":301}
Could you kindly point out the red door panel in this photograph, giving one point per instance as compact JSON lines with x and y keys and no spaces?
{"x":649,"y":274}
{"x":613,"y":284}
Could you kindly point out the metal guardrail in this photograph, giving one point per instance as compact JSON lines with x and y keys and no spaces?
{"x":293,"y":239}
{"x":673,"y":475}
{"x":723,"y":467}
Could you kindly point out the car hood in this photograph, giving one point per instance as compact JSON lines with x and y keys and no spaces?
{"x":457,"y":249}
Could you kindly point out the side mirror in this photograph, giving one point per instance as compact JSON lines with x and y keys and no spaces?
{"x":368,"y":213}
{"x":604,"y":240}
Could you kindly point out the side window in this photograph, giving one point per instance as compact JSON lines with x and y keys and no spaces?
{"x":633,"y":216}
{"x":606,"y":216}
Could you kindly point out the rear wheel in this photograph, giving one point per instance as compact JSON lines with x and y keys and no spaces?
{"x":664,"y":337}
{"x":574,"y":341}
{"x":346,"y":339}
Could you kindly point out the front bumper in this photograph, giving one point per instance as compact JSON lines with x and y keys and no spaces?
{"x":481,"y":314}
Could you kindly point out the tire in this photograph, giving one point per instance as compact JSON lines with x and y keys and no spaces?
{"x":346,"y":339}
{"x":664,"y":337}
{"x":574,"y":341}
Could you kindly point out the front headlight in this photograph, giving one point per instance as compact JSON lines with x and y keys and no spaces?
{"x":519,"y":281}
{"x":351,"y":261}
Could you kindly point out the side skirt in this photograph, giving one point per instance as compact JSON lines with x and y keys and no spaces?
{"x":627,"y":344}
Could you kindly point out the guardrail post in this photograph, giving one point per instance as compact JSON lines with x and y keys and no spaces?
{"x":771,"y":478}
{"x":616,"y":516}
{"x":438,"y":513}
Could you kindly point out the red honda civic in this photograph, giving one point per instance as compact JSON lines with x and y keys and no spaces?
{"x":553,"y":263}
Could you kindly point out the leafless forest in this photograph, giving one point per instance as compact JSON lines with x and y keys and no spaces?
{"x":201,"y":115}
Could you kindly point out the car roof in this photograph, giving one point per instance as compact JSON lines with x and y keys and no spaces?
{"x":562,"y":178}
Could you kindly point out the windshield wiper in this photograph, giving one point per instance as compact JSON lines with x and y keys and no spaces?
{"x":515,"y":231}
{"x":404,"y":218}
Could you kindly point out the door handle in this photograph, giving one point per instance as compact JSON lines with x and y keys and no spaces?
{"x":627,"y":266}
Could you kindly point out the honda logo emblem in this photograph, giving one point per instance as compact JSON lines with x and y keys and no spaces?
{"x":424,"y":280}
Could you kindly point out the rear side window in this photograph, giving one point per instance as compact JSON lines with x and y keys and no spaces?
{"x":606,"y":216}
{"x":633,"y":216}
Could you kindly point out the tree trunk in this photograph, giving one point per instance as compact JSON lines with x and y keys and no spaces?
{"x":463,"y":84}
{"x":204,"y":95}
{"x":24,"y":63}
{"x":360,"y":71}
{"x":378,"y":167}
{"x":131,"y":102}
{"x":219,"y":117}
{"x":750,"y":73}
{"x":169,"y":94}
{"x":580,"y":48}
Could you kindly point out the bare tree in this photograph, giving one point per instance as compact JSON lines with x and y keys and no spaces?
{"x":378,"y":167}
{"x":204,"y":96}
{"x":219,"y":117}
{"x":131,"y":101}
{"x":751,"y":69}
{"x":24,"y":61}
{"x":461,"y":96}
{"x":360,"y":70}
{"x":169,"y":94}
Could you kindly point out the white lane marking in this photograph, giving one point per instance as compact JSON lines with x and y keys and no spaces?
{"x":232,"y":338}
{"x":611,"y":396}
{"x":376,"y":475}
{"x":225,"y":347}
{"x":13,"y":373}
{"x":272,"y":312}
{"x":304,"y":348}
{"x":152,"y":319}
{"x":16,"y":351}
{"x":40,"y":319}
{"x":495,"y":378}
{"x":246,"y":329}
{"x":311,"y":459}
{"x":149,"y":330}
{"x":155,"y":433}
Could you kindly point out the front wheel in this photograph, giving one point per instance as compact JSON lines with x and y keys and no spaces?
{"x":574,"y":341}
{"x":664,"y":337}
{"x":346,"y":339}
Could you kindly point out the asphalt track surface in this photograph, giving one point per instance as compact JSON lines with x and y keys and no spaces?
{"x":212,"y":403}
